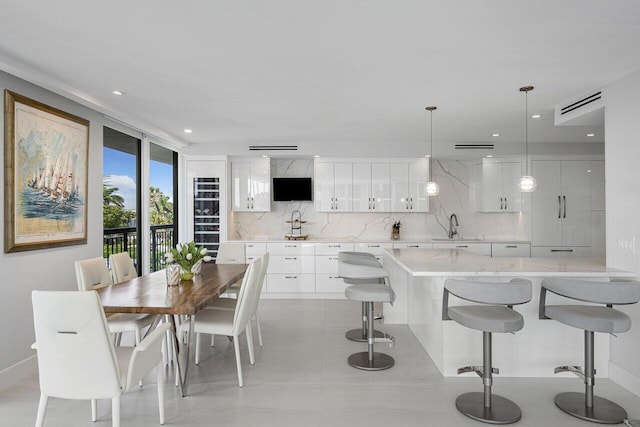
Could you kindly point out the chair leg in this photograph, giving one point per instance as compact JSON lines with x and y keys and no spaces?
{"x":587,"y":406}
{"x":197,"y":356}
{"x":94,"y":410}
{"x":115,"y":411}
{"x":249,"y":334}
{"x":160,"y":380}
{"x":258,"y":327}
{"x":138,"y":337}
{"x":42,"y":408}
{"x":236,"y":345}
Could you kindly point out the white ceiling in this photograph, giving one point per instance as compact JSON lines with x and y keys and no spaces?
{"x":326,"y":73}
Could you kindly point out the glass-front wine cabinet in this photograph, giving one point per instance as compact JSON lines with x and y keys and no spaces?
{"x":206,"y":214}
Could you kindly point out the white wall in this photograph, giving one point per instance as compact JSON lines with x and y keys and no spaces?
{"x":48,"y":269}
{"x":622,"y":152}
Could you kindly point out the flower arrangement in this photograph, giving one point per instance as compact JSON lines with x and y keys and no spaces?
{"x":189,"y":257}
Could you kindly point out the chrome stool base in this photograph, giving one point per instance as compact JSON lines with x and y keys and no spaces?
{"x":359,"y":336}
{"x":361,"y":361}
{"x":502,"y":410}
{"x":603,"y":411}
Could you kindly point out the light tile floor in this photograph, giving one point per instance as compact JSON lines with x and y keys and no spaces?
{"x":301,"y":378}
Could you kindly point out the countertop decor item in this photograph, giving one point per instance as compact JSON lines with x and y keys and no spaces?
{"x":395,"y":231}
{"x":296,"y":227}
{"x":189,"y":257}
{"x":432,"y":188}
{"x":526,"y":183}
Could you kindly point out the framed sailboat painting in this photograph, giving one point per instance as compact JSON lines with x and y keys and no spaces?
{"x":45,"y":176}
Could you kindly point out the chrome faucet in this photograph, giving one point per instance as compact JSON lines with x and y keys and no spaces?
{"x":452,"y":226}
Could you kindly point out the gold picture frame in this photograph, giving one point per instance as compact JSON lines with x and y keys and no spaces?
{"x":46,"y":159}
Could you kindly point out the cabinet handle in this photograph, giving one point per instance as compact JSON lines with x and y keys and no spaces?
{"x":505,"y":203}
{"x":290,"y":277}
{"x":370,"y":203}
{"x":462,"y":246}
{"x":559,"y":207}
{"x":511,"y":246}
{"x":335,"y":246}
{"x":252,"y":206}
{"x":501,"y":204}
{"x":407,"y":208}
{"x":290,"y":246}
{"x":247,"y":203}
{"x":373,"y":246}
{"x":411,"y":203}
{"x":561,"y":250}
{"x":413,"y":246}
{"x":564,"y":199}
{"x":336,"y":203}
{"x":291,"y":258}
{"x":334,"y":277}
{"x":332,"y":258}
{"x":374,"y":203}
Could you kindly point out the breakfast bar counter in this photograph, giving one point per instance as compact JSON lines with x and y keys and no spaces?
{"x":417,"y":276}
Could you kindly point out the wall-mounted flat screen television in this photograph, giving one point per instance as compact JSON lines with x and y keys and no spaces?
{"x":290,"y":189}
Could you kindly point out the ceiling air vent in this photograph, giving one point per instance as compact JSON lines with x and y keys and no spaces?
{"x":474,"y":146}
{"x":273,"y":148}
{"x":581,"y":103}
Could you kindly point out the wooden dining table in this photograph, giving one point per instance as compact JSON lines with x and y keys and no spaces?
{"x":150,"y":294}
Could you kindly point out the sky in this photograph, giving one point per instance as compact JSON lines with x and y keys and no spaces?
{"x":119,"y":170}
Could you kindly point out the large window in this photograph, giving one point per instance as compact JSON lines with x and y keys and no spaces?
{"x":163,"y":207}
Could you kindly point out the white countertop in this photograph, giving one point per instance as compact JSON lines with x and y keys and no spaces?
{"x":275,"y":239}
{"x":453,"y":262}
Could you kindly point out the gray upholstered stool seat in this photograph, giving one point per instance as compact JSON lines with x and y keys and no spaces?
{"x":370,"y":292}
{"x":490,"y":318}
{"x":494,"y":315}
{"x":590,"y":318}
{"x":361,"y":334}
{"x":366,"y":273}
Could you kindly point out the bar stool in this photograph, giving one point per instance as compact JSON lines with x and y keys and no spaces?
{"x":495,"y":315}
{"x":591,"y":319}
{"x":360,"y":334}
{"x":369,"y":293}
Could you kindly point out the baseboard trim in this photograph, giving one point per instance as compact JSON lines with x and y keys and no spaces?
{"x":624,"y":378}
{"x":17,"y":372}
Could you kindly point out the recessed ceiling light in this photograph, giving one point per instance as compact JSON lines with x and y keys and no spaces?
{"x":188,"y":131}
{"x":316,"y":156}
{"x":117,"y":92}
{"x":265,"y":156}
{"x":536,"y":116}
{"x":591,"y":134}
{"x":489,"y":156}
{"x":495,"y":134}
{"x":427,"y":155}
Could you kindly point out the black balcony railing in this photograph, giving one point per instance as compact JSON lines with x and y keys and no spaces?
{"x":125,"y":239}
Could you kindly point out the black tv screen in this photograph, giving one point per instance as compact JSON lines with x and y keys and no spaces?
{"x":290,"y":189}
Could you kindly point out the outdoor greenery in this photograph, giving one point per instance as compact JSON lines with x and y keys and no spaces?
{"x":116,"y":215}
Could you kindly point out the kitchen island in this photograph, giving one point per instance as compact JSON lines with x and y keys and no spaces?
{"x":417,"y":276}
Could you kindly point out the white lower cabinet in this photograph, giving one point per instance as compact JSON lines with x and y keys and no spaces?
{"x":291,"y":283}
{"x":330,"y":283}
{"x":476,"y":248}
{"x":510,"y":250}
{"x":291,"y":267}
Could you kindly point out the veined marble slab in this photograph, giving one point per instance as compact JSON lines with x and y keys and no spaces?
{"x":455,"y":262}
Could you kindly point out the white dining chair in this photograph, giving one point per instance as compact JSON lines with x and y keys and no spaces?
{"x":76,"y":358}
{"x":93,"y":274}
{"x":122,"y":267}
{"x":230,"y":303}
{"x":230,"y":323}
{"x":231,"y":253}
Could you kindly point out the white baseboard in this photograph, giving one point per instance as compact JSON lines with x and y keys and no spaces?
{"x":624,"y":378}
{"x":16,"y":373}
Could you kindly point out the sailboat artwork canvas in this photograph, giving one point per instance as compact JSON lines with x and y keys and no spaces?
{"x":46,"y":166}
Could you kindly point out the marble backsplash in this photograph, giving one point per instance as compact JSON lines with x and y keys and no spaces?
{"x":453,"y":178}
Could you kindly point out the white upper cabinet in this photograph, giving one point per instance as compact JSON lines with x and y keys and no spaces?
{"x":496,"y":186}
{"x":333,"y":187}
{"x":371,"y":187}
{"x":561,"y":204}
{"x":251,"y":186}
{"x":408,"y":180}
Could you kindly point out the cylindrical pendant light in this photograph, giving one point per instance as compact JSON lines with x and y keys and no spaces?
{"x":526,"y":183}
{"x":432,"y":188}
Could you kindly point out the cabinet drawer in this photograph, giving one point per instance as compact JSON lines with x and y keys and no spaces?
{"x":255,"y":248}
{"x":327,"y":264}
{"x":556,"y":251}
{"x":329,"y":283}
{"x":506,"y":250}
{"x":476,"y":248}
{"x":405,"y":245}
{"x":290,"y":248}
{"x":373,"y":248}
{"x":333,"y":248}
{"x":302,"y":283}
{"x":291,"y":264}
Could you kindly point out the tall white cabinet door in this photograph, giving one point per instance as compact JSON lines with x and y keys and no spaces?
{"x":511,"y":173}
{"x":362,"y":187}
{"x":418,"y":177}
{"x":576,"y":203}
{"x":260,"y":186}
{"x":380,"y":187}
{"x":546,"y":204}
{"x":323,"y":185}
{"x":343,"y":187}
{"x":399,"y":182}
{"x":240,"y":182}
{"x":492,"y":197}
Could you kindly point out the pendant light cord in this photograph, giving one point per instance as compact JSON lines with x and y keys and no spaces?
{"x":526,"y":131}
{"x":430,"y":145}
